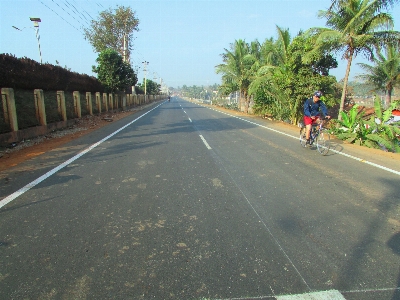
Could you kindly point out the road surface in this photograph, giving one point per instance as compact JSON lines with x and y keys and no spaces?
{"x":181,"y":201}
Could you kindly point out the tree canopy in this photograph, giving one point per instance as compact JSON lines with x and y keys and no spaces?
{"x":354,"y":27}
{"x":113,"y":30}
{"x":113,"y":72}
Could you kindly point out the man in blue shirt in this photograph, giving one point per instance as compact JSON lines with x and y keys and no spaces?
{"x":312,"y":108}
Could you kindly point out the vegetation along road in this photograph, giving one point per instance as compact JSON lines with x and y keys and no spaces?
{"x":180,"y":201}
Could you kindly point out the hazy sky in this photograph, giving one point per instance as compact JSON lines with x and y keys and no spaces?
{"x":181,"y":39}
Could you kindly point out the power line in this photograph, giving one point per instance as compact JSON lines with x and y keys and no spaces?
{"x":75,"y":11}
{"x":66,"y":11}
{"x":58,"y":15}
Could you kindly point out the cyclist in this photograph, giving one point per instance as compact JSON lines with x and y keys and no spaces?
{"x":312,"y":108}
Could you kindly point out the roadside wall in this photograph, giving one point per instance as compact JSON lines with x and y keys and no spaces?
{"x":26,"y":114}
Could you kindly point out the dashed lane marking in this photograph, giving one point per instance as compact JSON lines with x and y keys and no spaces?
{"x":326,"y":295}
{"x":205,"y":142}
{"x":323,"y":295}
{"x":296,"y":137}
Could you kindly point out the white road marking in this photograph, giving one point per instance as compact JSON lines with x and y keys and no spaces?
{"x":27,"y":187}
{"x":205,"y":142}
{"x":326,"y":295}
{"x":190,"y":120}
{"x":296,"y":137}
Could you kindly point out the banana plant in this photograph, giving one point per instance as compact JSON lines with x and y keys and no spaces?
{"x":383,"y":135}
{"x":351,"y":126}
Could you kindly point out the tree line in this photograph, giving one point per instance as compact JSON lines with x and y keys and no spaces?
{"x":280,"y":73}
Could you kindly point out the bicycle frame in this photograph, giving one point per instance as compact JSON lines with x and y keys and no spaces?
{"x":317,"y":134}
{"x":315,"y":131}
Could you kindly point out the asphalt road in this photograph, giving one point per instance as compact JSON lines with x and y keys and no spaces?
{"x":183,"y":202}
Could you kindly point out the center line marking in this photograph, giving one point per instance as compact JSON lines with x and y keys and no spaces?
{"x":205,"y":142}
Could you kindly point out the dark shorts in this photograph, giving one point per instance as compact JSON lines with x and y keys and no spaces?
{"x":309,"y":121}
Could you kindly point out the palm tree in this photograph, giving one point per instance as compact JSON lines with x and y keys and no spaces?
{"x":356,"y":26}
{"x":272,"y":64}
{"x":381,"y":3}
{"x":236,"y":69}
{"x":385,"y":73}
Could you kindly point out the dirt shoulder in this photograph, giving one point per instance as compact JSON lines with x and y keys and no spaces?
{"x":28,"y":149}
{"x":32,"y":148}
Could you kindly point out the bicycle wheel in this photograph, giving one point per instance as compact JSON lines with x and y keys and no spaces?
{"x":323,"y":142}
{"x":303,"y":140}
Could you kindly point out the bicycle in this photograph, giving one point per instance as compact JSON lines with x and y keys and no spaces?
{"x":318,"y":134}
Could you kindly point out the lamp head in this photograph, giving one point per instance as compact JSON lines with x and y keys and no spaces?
{"x":35,"y":21}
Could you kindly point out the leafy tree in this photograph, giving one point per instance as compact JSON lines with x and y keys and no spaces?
{"x":385,"y":73}
{"x":356,"y":26}
{"x":113,"y":73}
{"x":152,"y":87}
{"x":113,"y":30}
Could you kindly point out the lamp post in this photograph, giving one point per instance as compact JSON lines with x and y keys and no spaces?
{"x":37,"y":36}
{"x":36,"y":25}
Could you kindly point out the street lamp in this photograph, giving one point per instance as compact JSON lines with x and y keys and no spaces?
{"x":36,"y":25}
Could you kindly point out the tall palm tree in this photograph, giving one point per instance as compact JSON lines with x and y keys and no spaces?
{"x":356,"y":26}
{"x":385,"y":73}
{"x":236,"y":70}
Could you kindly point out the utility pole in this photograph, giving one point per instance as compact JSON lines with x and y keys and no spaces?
{"x":145,"y":63}
{"x":124,"y":51}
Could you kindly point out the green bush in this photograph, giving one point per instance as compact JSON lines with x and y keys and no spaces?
{"x":27,"y":74}
{"x":373,"y":133}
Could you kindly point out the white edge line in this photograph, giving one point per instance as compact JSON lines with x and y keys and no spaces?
{"x":335,"y":151}
{"x":30,"y":185}
{"x":205,"y":142}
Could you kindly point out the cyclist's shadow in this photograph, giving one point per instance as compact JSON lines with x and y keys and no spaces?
{"x":335,"y":146}
{"x":394,"y":244}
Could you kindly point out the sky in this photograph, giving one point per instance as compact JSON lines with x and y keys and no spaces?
{"x":181,"y":39}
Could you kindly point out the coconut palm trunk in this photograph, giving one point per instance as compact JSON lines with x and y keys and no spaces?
{"x":388,"y":98}
{"x":345,"y":81}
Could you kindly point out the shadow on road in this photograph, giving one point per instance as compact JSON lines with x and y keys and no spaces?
{"x":362,"y":256}
{"x":394,"y":244}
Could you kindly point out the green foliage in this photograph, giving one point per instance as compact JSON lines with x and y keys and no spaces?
{"x":280,"y":91}
{"x":352,"y":118}
{"x":238,"y":67}
{"x":111,"y":29}
{"x":351,"y":126}
{"x":201,"y":92}
{"x":383,"y":135}
{"x":374,"y":133}
{"x":113,"y":73}
{"x":384,"y":75}
{"x":152,"y":87}
{"x":354,"y":27}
